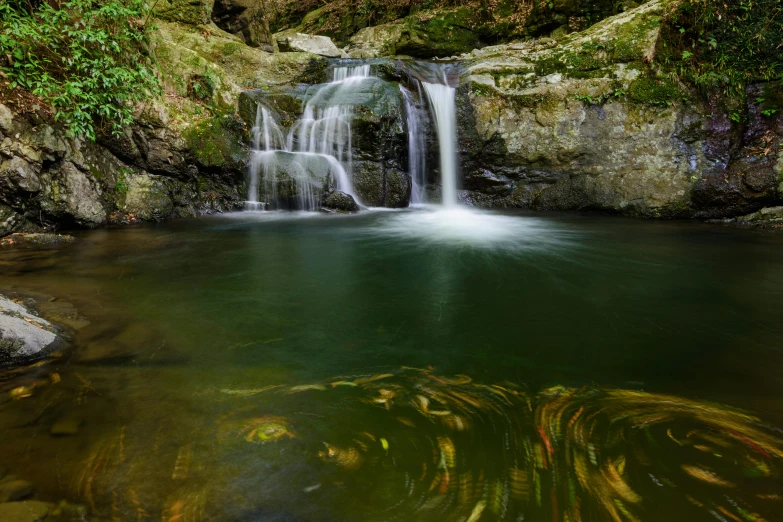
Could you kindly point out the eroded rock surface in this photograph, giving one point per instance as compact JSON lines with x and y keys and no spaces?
{"x":23,"y":334}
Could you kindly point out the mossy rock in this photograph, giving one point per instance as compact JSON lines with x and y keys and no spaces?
{"x":285,"y":102}
{"x":193,"y":12}
{"x":656,"y":92}
{"x":217,"y":142}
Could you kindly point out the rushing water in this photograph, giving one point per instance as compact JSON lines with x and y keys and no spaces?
{"x":250,"y":367}
{"x":417,"y":165}
{"x":320,"y":142}
{"x":442,"y":102}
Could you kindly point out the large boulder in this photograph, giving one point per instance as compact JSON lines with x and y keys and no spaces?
{"x":308,"y":43}
{"x":23,"y":334}
{"x":340,"y":201}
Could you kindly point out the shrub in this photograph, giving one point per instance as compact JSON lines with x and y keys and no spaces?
{"x":724,"y":45}
{"x":87,"y":58}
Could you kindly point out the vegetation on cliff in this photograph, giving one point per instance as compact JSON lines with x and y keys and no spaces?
{"x":721,"y":45}
{"x":87,"y":58}
{"x":491,"y":20}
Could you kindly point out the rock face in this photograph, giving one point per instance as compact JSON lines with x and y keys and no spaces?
{"x":186,"y":154}
{"x":24,"y":334}
{"x":420,"y":35}
{"x":195,"y":12}
{"x":242,"y":18}
{"x":583,"y":123}
{"x":149,"y":173}
{"x":307,"y":43}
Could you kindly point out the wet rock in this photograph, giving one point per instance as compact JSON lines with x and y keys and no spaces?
{"x":378,"y":186}
{"x":41,"y":238}
{"x":340,"y":201}
{"x":27,"y":511}
{"x":768,"y":216}
{"x":65,"y":427}
{"x":293,"y":180}
{"x":24,"y":334}
{"x":12,"y":490}
{"x":308,"y":43}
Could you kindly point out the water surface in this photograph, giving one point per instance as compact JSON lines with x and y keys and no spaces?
{"x":191,"y":321}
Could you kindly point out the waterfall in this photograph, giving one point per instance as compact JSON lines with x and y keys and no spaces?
{"x":321,"y":137}
{"x":442,"y":101}
{"x":416,"y":147}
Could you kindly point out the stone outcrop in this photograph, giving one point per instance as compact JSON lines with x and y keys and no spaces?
{"x":243,"y":19}
{"x":308,"y":43}
{"x":150,"y":172}
{"x":194,"y":12}
{"x":186,"y":153}
{"x":23,"y":335}
{"x":422,"y":35}
{"x":584,"y":123}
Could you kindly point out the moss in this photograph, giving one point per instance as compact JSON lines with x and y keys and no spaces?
{"x":231,"y":48}
{"x":654,"y":92}
{"x":214,"y":141}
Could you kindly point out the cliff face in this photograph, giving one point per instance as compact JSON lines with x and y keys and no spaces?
{"x":584,"y":118}
{"x":185,"y":154}
{"x":586,"y":123}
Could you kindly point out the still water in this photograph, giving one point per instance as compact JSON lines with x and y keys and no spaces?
{"x":417,"y":365}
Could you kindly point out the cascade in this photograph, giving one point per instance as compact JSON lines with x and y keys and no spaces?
{"x":320,"y":142}
{"x":442,"y":102}
{"x":416,"y":145}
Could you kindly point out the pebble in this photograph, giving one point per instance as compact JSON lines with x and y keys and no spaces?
{"x":14,"y":490}
{"x":27,"y":511}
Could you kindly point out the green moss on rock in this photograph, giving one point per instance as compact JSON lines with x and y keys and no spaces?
{"x":655,"y":92}
{"x":216,"y":141}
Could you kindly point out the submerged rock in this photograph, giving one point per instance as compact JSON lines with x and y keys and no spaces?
{"x":28,"y":511}
{"x":12,"y":490}
{"x":42,"y":238}
{"x":340,"y":201}
{"x":22,"y":333}
{"x":308,"y":43}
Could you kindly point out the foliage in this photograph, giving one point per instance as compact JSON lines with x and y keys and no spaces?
{"x":88,"y":58}
{"x":724,"y":45}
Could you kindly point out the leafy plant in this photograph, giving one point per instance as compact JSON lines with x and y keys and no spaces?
{"x":87,"y":58}
{"x":715,"y":44}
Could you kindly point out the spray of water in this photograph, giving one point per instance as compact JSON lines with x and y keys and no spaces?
{"x":442,"y":102}
{"x":321,"y":137}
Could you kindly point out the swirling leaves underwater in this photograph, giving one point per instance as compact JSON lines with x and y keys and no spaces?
{"x":413,"y":445}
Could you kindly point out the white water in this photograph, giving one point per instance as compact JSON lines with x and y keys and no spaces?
{"x":444,"y":111}
{"x":417,"y":167}
{"x":321,"y":133}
